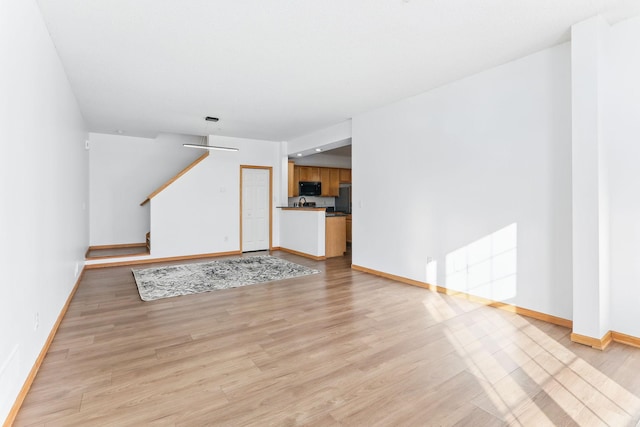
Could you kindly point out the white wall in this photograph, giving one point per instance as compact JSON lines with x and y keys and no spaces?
{"x":43,"y":192}
{"x":200,"y":212}
{"x":124,"y":170}
{"x":435,"y":174}
{"x":590,"y":199}
{"x":622,"y":123}
{"x":257,"y":152}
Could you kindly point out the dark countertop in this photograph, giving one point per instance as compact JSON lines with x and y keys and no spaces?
{"x":310,"y":209}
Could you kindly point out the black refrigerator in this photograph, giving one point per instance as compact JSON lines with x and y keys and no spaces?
{"x":343,"y":202}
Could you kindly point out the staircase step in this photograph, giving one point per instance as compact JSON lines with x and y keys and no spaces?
{"x":116,"y":251}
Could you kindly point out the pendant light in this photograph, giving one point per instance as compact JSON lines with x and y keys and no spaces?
{"x":205,"y":146}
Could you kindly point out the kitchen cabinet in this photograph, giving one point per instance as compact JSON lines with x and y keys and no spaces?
{"x":345,"y":176}
{"x":293,"y":182}
{"x":296,"y":181}
{"x":330,"y":179}
{"x":334,"y":182}
{"x":348,"y":225}
{"x":335,"y":236}
{"x":309,"y":173}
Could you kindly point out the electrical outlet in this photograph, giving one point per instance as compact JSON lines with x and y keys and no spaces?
{"x":226,"y":238}
{"x":86,"y":144}
{"x":36,"y":321}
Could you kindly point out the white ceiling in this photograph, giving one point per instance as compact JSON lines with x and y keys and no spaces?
{"x":279,"y":69}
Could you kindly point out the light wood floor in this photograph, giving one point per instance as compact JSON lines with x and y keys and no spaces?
{"x":337,"y":348}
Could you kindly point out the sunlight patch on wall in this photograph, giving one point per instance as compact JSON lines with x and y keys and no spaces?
{"x":432,"y":271}
{"x":487,"y":267}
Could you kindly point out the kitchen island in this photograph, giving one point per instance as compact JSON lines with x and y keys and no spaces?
{"x":312,"y":233}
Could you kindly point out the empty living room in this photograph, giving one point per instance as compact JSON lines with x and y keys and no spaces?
{"x":399,"y":213}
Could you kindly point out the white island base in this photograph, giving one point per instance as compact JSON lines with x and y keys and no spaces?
{"x":302,"y":231}
{"x":312,"y":234}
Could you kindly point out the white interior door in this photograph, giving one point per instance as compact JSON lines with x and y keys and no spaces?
{"x":255,"y":209}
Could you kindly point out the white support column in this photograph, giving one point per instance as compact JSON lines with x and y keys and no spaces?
{"x":591,"y":288}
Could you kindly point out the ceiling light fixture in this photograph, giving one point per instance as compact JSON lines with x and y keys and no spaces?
{"x":205,"y":145}
{"x":299,"y":154}
{"x":318,"y":149}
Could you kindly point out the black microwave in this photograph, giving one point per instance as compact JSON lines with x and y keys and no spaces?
{"x":310,"y":188}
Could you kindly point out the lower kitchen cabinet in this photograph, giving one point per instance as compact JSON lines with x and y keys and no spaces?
{"x":335,"y":243}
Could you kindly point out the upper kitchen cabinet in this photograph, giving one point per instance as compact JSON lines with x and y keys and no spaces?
{"x":309,"y":173}
{"x":330,"y":179}
{"x":345,"y":176}
{"x":293,"y":190}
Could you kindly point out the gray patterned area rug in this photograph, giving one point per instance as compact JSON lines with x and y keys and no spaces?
{"x":185,"y":279}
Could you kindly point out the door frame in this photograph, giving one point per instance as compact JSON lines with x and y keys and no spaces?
{"x":270,"y":169}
